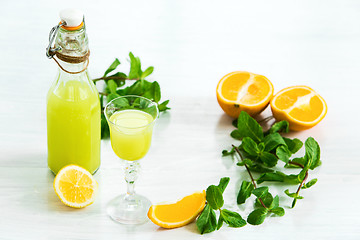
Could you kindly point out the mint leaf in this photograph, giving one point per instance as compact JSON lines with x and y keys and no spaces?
{"x":278,"y":211}
{"x":155,"y":88}
{"x":233,"y":219}
{"x":245,"y":161}
{"x":301,"y":161}
{"x":244,"y":192}
{"x":256,"y":167}
{"x":163,"y":106}
{"x":250,"y":146}
{"x":293,"y":145}
{"x":112,"y":96}
{"x":227,"y":153}
{"x":283,"y":153}
{"x":236,"y":134}
{"x":312,"y":153}
{"x":112,"y":67}
{"x":105,"y":131}
{"x":214,"y":197}
{"x":119,"y":82}
{"x":310,"y":183}
{"x":273,"y":140}
{"x":135,"y":67}
{"x":269,"y":160}
{"x":147,"y":72}
{"x":282,"y":126}
{"x":260,"y":191}
{"x":272,"y":177}
{"x":206,"y":222}
{"x":257,"y":216}
{"x":220,"y":222}
{"x":280,"y":177}
{"x":261,"y":147}
{"x":223,"y":183}
{"x":112,"y":86}
{"x":249,"y":127}
{"x":267,"y":199}
{"x":275,"y":202}
{"x":292,"y":195}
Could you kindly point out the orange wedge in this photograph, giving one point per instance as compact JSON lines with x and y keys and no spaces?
{"x":243,"y":91}
{"x":75,"y":186}
{"x":180,"y":213}
{"x":301,"y":106}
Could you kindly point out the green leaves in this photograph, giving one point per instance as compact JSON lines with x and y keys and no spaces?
{"x":112,"y":86}
{"x":112,"y":67}
{"x":248,"y":127}
{"x":223,"y":183}
{"x":266,"y":205}
{"x":233,"y":219}
{"x":295,"y":196}
{"x":250,"y":146}
{"x":214,"y":197}
{"x":115,"y":87}
{"x":244,"y":192}
{"x":273,"y":140}
{"x":282,"y":126}
{"x":257,"y":216}
{"x":259,"y":152}
{"x":206,"y":222}
{"x":309,"y":184}
{"x":260,"y":192}
{"x":312,"y":154}
{"x":147,"y":72}
{"x":135,"y":67}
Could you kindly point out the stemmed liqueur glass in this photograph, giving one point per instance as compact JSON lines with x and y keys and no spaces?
{"x":131,"y":120}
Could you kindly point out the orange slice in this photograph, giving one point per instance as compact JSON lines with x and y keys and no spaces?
{"x":180,"y":213}
{"x":75,"y":186}
{"x":244,"y":91}
{"x":301,"y":106}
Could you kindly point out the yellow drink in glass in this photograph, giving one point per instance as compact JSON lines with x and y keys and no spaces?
{"x":130,"y":134}
{"x":131,"y":120}
{"x":73,"y":125}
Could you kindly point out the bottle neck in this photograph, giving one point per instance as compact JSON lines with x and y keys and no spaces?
{"x":75,"y":69}
{"x":65,"y":76}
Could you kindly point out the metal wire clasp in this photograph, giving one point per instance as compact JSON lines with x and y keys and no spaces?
{"x":50,"y":51}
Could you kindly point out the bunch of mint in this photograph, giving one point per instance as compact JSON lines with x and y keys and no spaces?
{"x":115,"y":87}
{"x":207,"y":220}
{"x":260,"y":152}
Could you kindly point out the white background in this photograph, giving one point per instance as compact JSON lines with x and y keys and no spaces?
{"x":191,"y":44}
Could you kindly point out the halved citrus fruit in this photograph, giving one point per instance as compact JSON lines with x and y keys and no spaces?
{"x":180,"y":213}
{"x":75,"y":186}
{"x":301,"y":106}
{"x":244,"y":91}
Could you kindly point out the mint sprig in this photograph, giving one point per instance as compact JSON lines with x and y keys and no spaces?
{"x":207,"y":222}
{"x":260,"y":152}
{"x":115,"y":87}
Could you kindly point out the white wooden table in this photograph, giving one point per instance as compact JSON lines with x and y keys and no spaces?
{"x":192,"y":44}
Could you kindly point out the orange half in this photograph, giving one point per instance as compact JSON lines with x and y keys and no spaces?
{"x":180,"y":213}
{"x":243,"y":91}
{"x":301,"y":106}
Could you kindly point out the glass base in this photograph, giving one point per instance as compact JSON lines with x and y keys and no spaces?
{"x":129,"y":209}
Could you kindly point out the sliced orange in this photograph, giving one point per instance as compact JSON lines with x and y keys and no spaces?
{"x":301,"y":106}
{"x":244,"y":91}
{"x":180,"y":213}
{"x":75,"y":186}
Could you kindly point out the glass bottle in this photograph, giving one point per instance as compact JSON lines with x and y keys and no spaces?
{"x":73,"y":106}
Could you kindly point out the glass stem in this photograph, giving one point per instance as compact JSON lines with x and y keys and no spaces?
{"x":131,"y":174}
